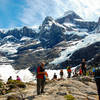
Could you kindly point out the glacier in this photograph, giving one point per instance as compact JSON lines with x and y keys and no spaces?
{"x":76,"y":45}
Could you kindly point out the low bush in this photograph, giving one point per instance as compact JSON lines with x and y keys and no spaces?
{"x":1,"y":84}
{"x":13,"y":97}
{"x":69,"y":97}
{"x":15,"y":83}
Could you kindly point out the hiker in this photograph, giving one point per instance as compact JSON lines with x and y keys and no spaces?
{"x":55,"y":76}
{"x":10,"y":78}
{"x":97,"y":79}
{"x":61,"y":74}
{"x":69,"y":71}
{"x":40,"y":78}
{"x":93,"y":71}
{"x":83,"y":66}
{"x":18,"y":78}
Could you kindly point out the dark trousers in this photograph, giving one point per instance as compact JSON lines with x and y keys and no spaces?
{"x":61,"y":76}
{"x":69,"y":74}
{"x":40,"y":86}
{"x":84,"y":71}
{"x":98,"y":86}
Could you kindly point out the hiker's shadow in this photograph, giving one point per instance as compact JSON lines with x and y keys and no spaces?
{"x":30,"y":97}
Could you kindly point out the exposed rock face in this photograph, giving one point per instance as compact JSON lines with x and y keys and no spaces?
{"x":15,"y":35}
{"x":97,"y":30}
{"x":51,"y":32}
{"x":22,"y":32}
{"x":2,"y":35}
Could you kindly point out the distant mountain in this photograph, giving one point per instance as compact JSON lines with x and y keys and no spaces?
{"x":69,"y":17}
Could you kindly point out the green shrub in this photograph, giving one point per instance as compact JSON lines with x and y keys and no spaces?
{"x":12,"y":86}
{"x":1,"y":84}
{"x":13,"y":97}
{"x":69,"y":97}
{"x":21,"y":85}
{"x":15,"y":83}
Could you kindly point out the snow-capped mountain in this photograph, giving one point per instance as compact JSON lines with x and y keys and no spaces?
{"x":55,"y":41}
{"x":76,"y":21}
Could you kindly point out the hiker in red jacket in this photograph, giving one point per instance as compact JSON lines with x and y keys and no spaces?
{"x":69,"y":71}
{"x":40,"y":79}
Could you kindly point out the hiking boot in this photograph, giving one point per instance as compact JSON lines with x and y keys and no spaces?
{"x":42,"y":92}
{"x":38,"y":93}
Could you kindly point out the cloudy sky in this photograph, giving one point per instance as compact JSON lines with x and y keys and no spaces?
{"x":17,"y":13}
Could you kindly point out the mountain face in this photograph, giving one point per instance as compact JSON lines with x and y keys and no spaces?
{"x":77,"y":56}
{"x":55,"y":42}
{"x":15,"y":35}
{"x":51,"y":32}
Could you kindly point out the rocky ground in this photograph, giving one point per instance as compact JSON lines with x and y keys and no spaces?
{"x":81,"y":88}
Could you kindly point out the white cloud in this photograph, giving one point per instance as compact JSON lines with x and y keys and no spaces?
{"x":37,"y":10}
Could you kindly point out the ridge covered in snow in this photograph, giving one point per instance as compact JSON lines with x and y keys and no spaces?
{"x":77,"y":33}
{"x":9,"y":48}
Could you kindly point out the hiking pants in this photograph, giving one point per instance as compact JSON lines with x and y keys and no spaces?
{"x":40,"y":86}
{"x":69,"y":74}
{"x":98,"y":86}
{"x":84,"y":71}
{"x":61,"y":76}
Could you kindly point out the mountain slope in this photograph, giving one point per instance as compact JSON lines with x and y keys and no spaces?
{"x":55,"y":41}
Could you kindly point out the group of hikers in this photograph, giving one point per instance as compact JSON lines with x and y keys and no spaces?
{"x":42,"y":74}
{"x":82,"y":71}
{"x":17,"y":78}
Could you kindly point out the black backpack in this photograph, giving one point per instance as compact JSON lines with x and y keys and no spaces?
{"x":97,"y":72}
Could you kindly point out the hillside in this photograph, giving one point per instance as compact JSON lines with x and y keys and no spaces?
{"x":81,"y":88}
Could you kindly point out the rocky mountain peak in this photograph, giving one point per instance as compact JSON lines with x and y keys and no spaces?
{"x":69,"y":16}
{"x":47,"y":20}
{"x":71,"y":13}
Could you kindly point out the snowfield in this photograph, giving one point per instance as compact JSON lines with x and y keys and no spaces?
{"x":25,"y":38}
{"x":77,"y":33}
{"x":7,"y":70}
{"x":26,"y":76}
